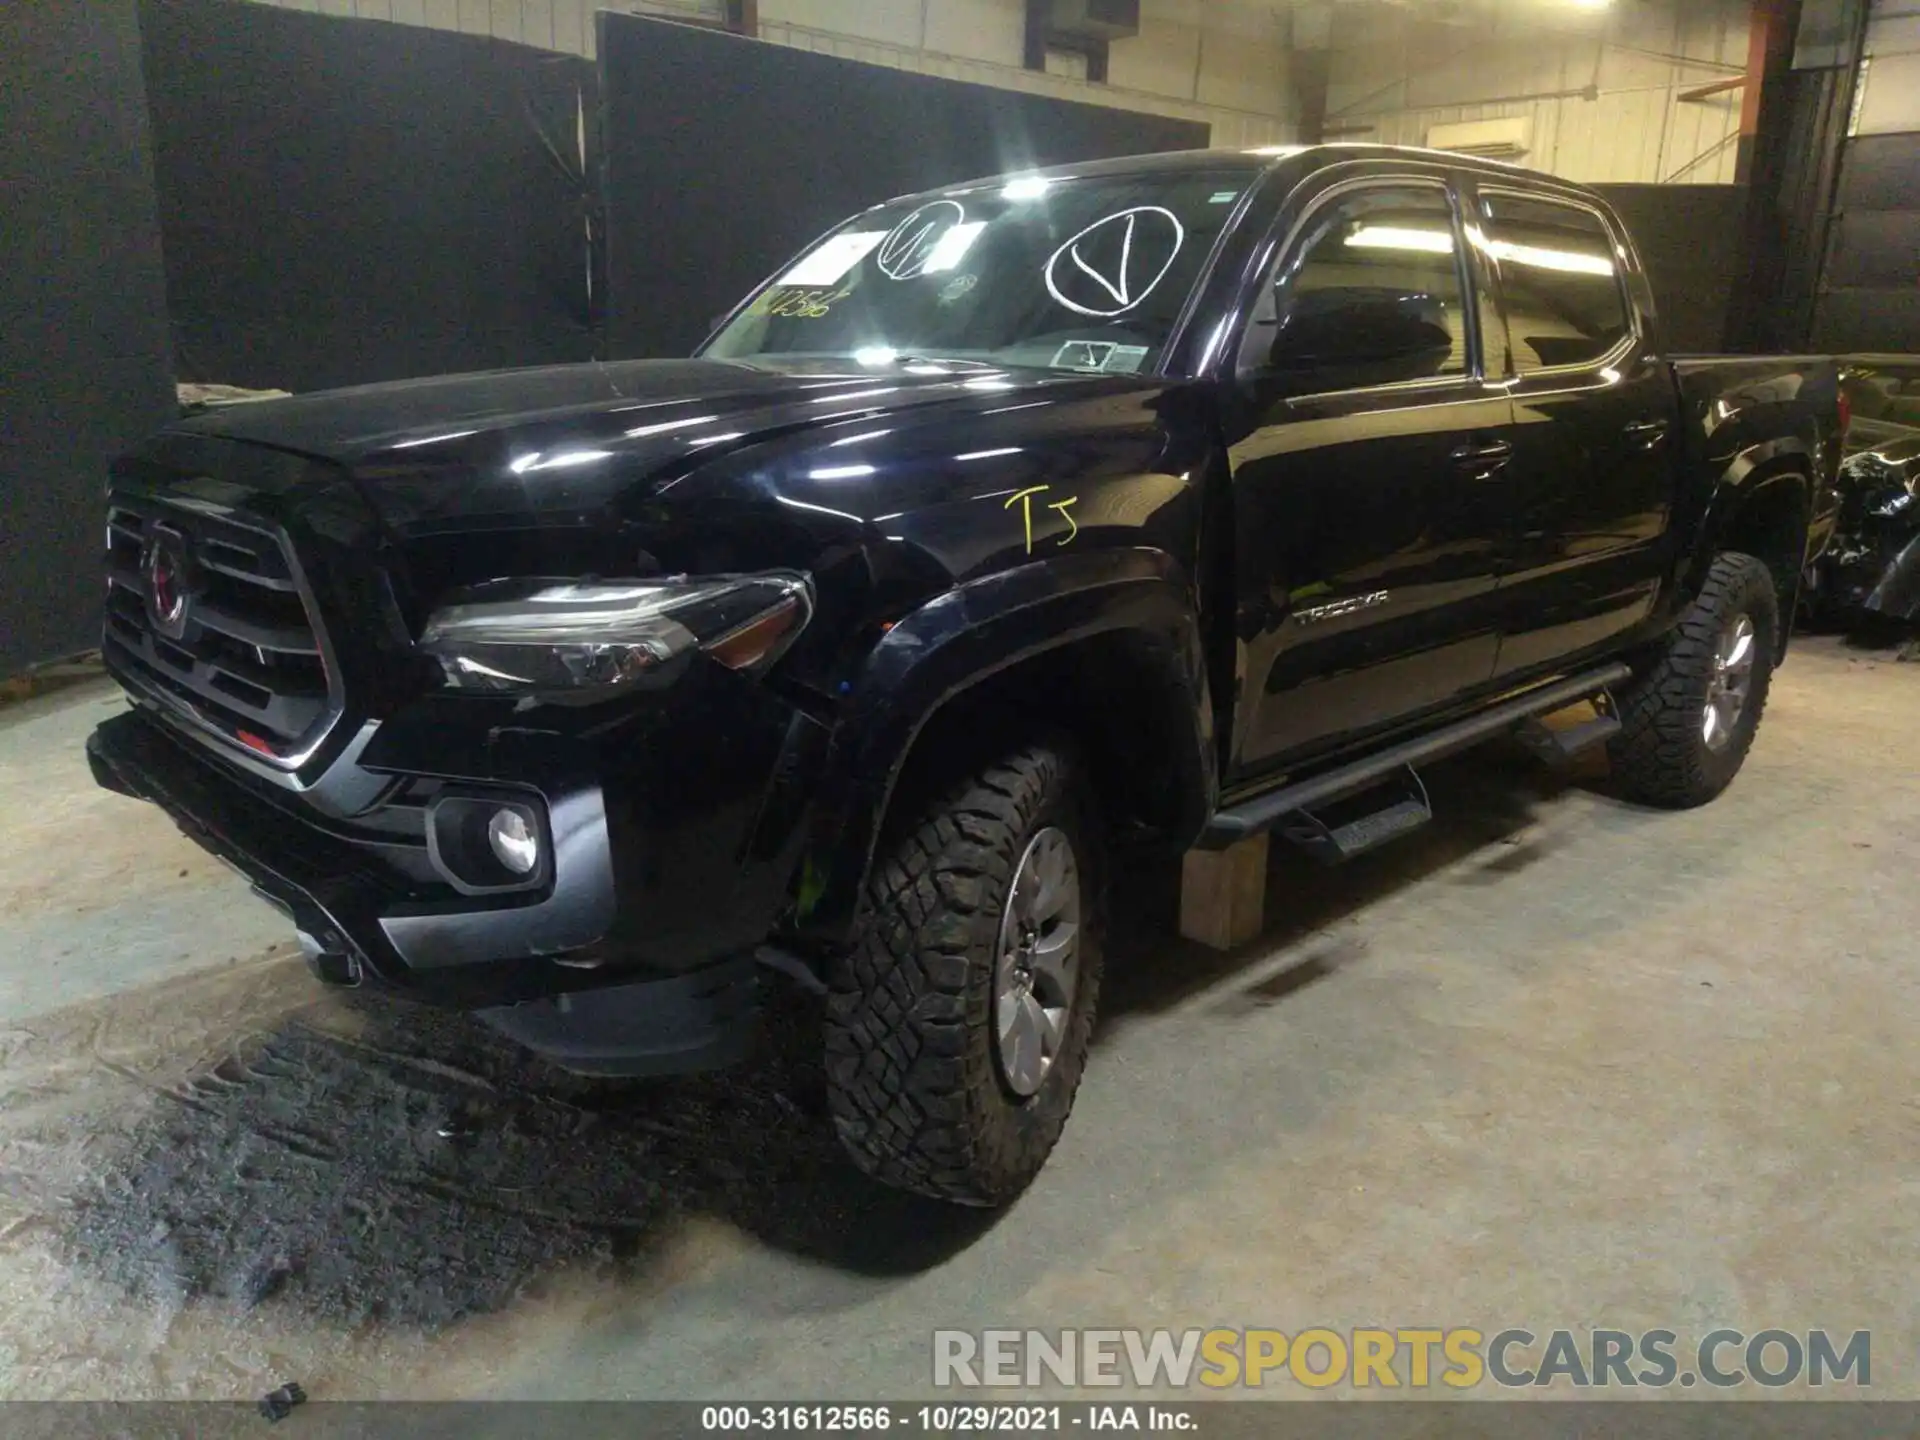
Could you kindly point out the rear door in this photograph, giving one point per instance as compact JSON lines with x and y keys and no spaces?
{"x":1366,"y":489}
{"x":1595,"y":427}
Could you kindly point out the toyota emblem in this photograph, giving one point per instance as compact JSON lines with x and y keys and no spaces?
{"x":168,"y":571}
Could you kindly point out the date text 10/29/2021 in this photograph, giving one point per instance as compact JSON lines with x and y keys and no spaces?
{"x":948,"y":1419}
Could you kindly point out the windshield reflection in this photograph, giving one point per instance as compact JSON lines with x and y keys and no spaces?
{"x":1083,"y":275}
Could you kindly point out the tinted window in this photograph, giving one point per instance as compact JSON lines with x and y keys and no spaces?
{"x":1884,"y":395}
{"x":1561,"y":280}
{"x":1371,"y":293}
{"x":1069,"y":274}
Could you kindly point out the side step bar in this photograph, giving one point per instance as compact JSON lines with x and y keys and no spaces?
{"x":1557,"y":747}
{"x":1385,"y":815}
{"x":1264,"y":812}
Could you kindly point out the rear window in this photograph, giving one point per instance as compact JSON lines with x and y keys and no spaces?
{"x":1886,"y":395}
{"x":1560,"y":274}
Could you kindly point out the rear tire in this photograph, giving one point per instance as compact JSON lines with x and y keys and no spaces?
{"x":1688,"y":721}
{"x":934,"y":1081}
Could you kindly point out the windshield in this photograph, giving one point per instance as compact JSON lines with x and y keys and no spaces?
{"x":1078,"y":274}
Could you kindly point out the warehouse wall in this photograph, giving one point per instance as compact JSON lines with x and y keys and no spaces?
{"x":1601,"y":92}
{"x":1868,"y":298}
{"x":1223,"y":62}
{"x":84,"y":366}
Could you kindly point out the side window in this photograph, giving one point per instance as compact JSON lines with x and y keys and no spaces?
{"x":1561,"y":281}
{"x":1370,"y":294}
{"x":1879,"y":394}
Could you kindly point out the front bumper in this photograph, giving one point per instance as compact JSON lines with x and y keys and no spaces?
{"x":357,"y":925}
{"x":360,"y":925}
{"x":356,"y":917}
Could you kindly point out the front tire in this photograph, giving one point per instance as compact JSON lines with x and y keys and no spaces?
{"x":1689,"y":720}
{"x":959,"y":1023}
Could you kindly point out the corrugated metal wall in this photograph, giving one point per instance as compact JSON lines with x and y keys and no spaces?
{"x":1868,"y":299}
{"x":1603,"y":101}
{"x":550,"y":24}
{"x":1218,"y":61}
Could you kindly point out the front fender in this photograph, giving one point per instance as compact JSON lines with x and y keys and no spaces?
{"x":962,"y":639}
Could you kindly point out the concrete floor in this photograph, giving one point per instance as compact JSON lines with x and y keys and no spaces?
{"x":1553,"y":1062}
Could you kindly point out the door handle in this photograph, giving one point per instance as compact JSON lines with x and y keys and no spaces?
{"x":1647,"y":433}
{"x":1482,"y":459}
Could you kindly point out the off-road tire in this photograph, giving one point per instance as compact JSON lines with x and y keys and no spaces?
{"x":1660,"y":757}
{"x":913,"y":1084}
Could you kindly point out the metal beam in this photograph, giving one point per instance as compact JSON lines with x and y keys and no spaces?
{"x":1707,"y":92}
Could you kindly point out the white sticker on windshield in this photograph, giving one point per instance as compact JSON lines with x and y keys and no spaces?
{"x":1102,"y":355}
{"x":1083,"y":355}
{"x":833,"y":259}
{"x":1221,"y":197}
{"x":1114,"y":264}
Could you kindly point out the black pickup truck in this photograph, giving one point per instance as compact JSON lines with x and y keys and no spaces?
{"x":1153,"y":503}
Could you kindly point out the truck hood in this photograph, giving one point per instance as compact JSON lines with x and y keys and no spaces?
{"x":572,"y":441}
{"x":354,"y":425}
{"x":668,"y":466}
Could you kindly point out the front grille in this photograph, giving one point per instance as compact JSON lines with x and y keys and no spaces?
{"x":248,"y":661}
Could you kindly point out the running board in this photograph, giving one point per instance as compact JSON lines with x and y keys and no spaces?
{"x":1384,"y":817}
{"x":1557,"y":747}
{"x":1264,"y":812}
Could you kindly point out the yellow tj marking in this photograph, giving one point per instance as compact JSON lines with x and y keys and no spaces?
{"x":1061,"y":506}
{"x":1024,"y":499}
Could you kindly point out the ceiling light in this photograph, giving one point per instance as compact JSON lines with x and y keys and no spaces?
{"x":1400,"y":237}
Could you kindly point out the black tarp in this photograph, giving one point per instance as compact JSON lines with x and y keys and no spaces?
{"x":83,"y":338}
{"x":345,"y":202}
{"x":1692,"y":240}
{"x":722,"y":156}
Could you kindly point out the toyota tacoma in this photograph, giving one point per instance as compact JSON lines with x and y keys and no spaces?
{"x":1148,"y":504}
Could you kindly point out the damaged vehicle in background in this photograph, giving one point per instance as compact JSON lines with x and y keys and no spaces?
{"x":1870,"y":572}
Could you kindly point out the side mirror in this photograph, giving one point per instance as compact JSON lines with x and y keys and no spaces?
{"x":1400,"y":335}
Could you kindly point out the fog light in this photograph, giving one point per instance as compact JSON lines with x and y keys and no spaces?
{"x":514,"y":842}
{"x":486,"y":844}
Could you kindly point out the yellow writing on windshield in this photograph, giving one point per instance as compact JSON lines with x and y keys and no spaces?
{"x":794,"y":302}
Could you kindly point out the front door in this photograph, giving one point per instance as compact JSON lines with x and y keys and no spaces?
{"x":1368,"y":477}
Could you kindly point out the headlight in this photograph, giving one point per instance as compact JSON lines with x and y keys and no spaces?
{"x":557,"y":637}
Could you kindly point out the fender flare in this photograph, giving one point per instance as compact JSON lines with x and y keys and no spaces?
{"x":953,"y":644}
{"x":1754,"y":470}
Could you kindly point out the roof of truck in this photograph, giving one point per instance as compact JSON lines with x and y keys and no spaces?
{"x":1257,"y":160}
